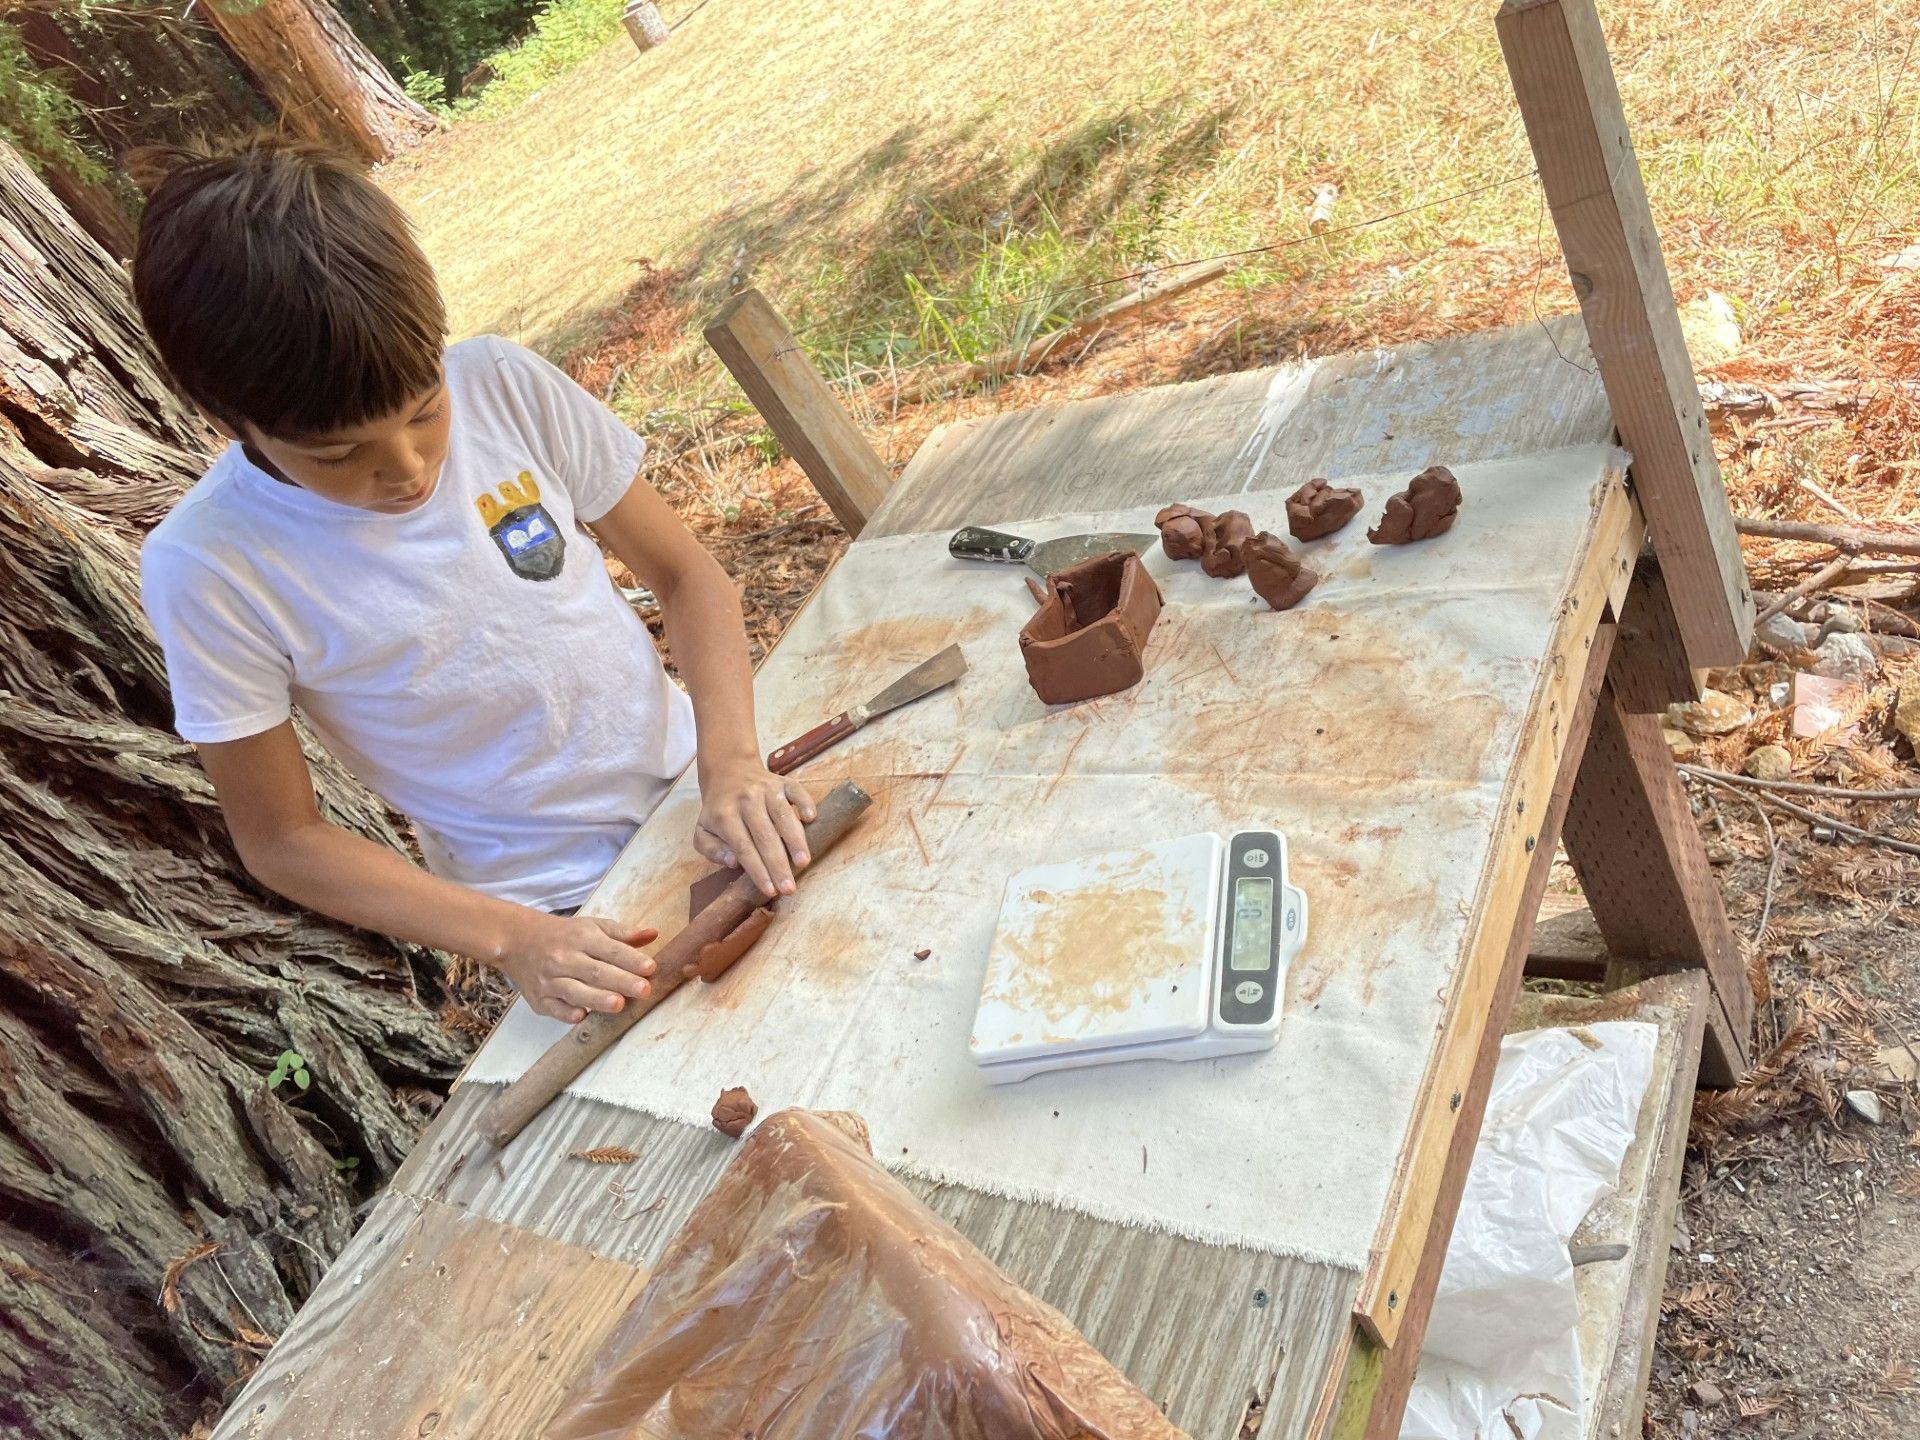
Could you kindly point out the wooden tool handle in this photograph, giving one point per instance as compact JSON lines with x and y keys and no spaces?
{"x":795,"y":753}
{"x":593,"y":1036}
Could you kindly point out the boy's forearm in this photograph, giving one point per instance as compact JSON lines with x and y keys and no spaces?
{"x":707,"y":635}
{"x":362,"y":882}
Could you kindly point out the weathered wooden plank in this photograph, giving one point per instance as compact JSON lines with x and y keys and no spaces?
{"x":1567,"y":944}
{"x":1468,"y":1099}
{"x":436,"y":1321}
{"x":1225,"y":1326}
{"x":1644,"y":870}
{"x":1556,"y":56}
{"x":1649,"y":1193}
{"x":1487,"y":396}
{"x":1430,"y":1162}
{"x":755,"y":344}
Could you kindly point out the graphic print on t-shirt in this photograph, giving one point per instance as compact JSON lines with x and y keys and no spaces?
{"x":522,"y":528}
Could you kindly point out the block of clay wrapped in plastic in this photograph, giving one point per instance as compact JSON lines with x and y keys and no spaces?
{"x":811,"y":1295}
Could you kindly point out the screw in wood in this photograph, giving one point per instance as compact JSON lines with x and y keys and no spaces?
{"x":1529,"y":844}
{"x":1454,"y":1103}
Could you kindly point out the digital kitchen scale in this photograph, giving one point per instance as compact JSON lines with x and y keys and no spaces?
{"x":1178,"y":951}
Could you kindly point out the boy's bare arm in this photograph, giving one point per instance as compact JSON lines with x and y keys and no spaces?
{"x":748,"y":816}
{"x":564,"y":966}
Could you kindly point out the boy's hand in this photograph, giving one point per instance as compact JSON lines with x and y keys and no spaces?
{"x":566,"y":966}
{"x":751,"y":818}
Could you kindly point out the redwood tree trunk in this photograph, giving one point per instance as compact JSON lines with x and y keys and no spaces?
{"x":162,"y":1210}
{"x":323,"y":81}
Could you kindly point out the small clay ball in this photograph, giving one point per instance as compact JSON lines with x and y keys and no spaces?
{"x":1185,"y":533}
{"x":733,"y":1112}
{"x":1231,"y":532}
{"x":1318,"y":509}
{"x":1276,"y":573}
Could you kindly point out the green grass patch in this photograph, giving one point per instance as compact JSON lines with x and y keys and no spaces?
{"x":564,"y":33}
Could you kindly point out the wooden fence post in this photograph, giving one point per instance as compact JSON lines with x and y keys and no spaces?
{"x":1557,"y":59}
{"x":754,"y":343}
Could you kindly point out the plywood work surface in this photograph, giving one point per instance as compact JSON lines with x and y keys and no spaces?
{"x":1375,"y":726}
{"x":436,"y":1322}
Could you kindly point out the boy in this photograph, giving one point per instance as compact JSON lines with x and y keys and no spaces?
{"x":392,"y":543}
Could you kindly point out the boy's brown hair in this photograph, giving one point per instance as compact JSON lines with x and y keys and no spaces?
{"x":283,"y":288}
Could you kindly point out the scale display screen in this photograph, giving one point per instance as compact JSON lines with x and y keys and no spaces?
{"x":1252,"y":923}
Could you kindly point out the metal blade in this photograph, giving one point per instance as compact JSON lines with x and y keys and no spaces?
{"x":925,"y":678}
{"x":1050,"y":556}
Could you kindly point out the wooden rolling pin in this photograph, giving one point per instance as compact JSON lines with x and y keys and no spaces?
{"x":593,"y":1036}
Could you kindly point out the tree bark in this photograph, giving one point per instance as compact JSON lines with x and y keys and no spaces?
{"x":162,"y":1211}
{"x":323,"y":81}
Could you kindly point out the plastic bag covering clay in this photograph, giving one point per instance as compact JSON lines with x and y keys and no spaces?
{"x":810,"y":1296}
{"x":1502,"y":1353}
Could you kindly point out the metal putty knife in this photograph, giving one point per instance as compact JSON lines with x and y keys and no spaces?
{"x":925,"y":678}
{"x":1043,"y":557}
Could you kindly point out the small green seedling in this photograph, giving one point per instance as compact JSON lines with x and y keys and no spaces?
{"x":289,"y":1063}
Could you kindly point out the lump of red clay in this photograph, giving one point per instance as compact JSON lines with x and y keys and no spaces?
{"x":1087,"y":638}
{"x":733,"y":1112}
{"x":1421,"y":511}
{"x":1185,"y":533}
{"x":1231,"y":532}
{"x":1317,"y":509}
{"x":1276,"y":572}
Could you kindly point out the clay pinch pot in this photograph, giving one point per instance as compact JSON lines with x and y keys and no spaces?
{"x":1318,"y":509}
{"x":1088,"y":635}
{"x":1424,"y":509}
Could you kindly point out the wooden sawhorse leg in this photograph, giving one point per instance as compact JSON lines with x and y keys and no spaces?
{"x":1395,"y":1382}
{"x":1633,"y":842}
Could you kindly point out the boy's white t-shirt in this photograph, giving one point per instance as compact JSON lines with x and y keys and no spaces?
{"x":470,"y":661}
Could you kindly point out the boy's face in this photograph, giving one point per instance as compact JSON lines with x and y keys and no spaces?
{"x":390,"y":465}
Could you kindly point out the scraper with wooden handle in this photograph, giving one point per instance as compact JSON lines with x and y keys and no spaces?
{"x":925,"y":678}
{"x":526,"y":1097}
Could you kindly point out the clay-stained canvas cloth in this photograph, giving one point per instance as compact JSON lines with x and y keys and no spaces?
{"x":810,"y":1296}
{"x":1374,"y":725}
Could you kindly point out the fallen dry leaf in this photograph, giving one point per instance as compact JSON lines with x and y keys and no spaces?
{"x":176,"y":1267}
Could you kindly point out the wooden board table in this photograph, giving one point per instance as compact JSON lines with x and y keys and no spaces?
{"x":1317,"y":1349}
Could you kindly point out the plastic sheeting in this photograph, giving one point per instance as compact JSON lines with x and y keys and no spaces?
{"x":1502,"y":1353}
{"x":811,"y":1297}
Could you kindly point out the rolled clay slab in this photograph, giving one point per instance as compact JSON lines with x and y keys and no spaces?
{"x":1421,"y":511}
{"x":1088,"y":636}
